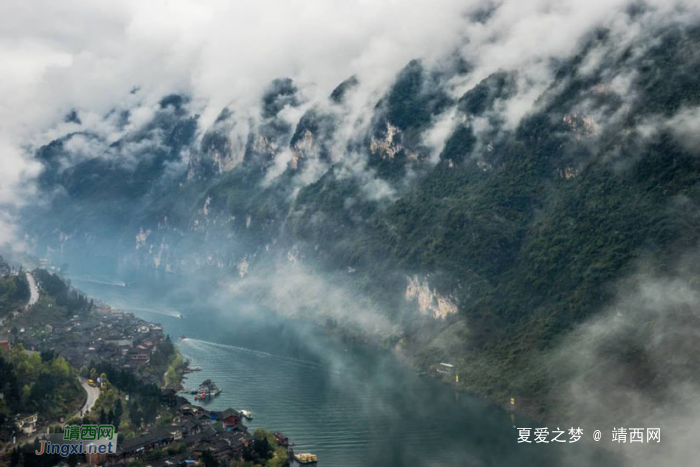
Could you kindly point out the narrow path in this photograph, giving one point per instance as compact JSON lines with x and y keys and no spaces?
{"x":92,"y":395}
{"x":33,"y":290}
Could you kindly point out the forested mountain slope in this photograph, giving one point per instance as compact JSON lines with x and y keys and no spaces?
{"x":438,"y":221}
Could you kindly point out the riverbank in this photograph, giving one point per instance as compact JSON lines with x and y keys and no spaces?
{"x":454,"y":374}
{"x":350,"y":403}
{"x":131,"y":374}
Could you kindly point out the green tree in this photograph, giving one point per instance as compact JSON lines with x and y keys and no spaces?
{"x":208,"y":459}
{"x":118,"y":408}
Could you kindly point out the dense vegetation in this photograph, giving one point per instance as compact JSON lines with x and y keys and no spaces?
{"x":263,"y":451}
{"x":63,"y":294}
{"x":14,"y":289}
{"x":33,"y":382}
{"x":14,"y":292}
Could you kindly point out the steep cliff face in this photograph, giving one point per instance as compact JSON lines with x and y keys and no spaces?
{"x":471,"y":237}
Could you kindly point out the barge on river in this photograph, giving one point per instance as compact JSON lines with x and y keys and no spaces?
{"x":207,"y":390}
{"x":306,"y":458}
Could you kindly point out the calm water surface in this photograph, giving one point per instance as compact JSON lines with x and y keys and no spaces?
{"x":351,"y":404}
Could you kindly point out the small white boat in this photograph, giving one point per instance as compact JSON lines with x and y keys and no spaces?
{"x":247,"y":414}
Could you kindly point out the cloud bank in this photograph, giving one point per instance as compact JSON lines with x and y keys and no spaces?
{"x":633,"y":365}
{"x":91,"y":58}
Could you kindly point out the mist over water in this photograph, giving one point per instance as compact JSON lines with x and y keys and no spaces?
{"x":351,"y":404}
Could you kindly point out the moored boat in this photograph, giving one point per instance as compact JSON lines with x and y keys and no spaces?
{"x":207,"y":390}
{"x":306,"y":458}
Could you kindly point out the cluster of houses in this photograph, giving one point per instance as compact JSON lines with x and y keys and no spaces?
{"x":193,"y":430}
{"x":222,"y":433}
{"x":127,"y":342}
{"x":107,"y":335}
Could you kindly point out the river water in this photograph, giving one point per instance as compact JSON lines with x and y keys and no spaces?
{"x":351,"y":404}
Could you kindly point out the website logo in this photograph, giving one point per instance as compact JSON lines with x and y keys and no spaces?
{"x":81,"y":439}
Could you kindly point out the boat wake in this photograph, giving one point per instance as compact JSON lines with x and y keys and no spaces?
{"x":171,"y":313}
{"x":100,"y":281}
{"x":294,"y":361}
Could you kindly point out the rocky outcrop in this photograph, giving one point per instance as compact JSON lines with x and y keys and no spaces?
{"x":388,"y":146}
{"x":429,"y":302}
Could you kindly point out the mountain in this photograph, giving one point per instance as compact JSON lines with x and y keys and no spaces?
{"x":484,"y":249}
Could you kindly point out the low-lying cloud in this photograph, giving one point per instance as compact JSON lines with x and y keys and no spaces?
{"x":92,"y":58}
{"x":635,"y":365}
{"x":293,"y":289}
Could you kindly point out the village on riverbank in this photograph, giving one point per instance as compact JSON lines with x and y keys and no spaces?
{"x":116,"y":369}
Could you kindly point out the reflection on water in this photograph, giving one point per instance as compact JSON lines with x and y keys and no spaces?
{"x":351,"y":404}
